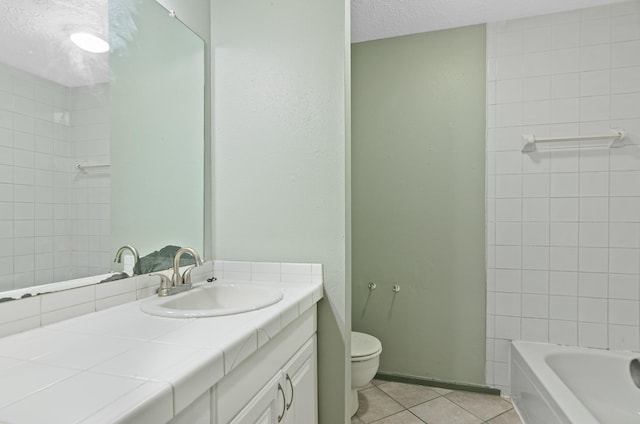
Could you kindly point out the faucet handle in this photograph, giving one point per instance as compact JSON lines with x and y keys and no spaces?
{"x":186,"y":275}
{"x":165,"y":284}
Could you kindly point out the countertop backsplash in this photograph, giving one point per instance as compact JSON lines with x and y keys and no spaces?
{"x":35,"y":311}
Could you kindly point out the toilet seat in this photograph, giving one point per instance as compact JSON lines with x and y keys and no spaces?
{"x":364,"y":346}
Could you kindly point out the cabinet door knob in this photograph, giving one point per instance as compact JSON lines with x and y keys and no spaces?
{"x":290,"y":385}
{"x":284,"y":403}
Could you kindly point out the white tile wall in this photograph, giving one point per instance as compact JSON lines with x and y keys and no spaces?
{"x":267,"y":271}
{"x":563,"y":223}
{"x":90,"y":192}
{"x":51,"y":215}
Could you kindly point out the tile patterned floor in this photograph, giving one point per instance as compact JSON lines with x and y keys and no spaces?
{"x":385,"y":402}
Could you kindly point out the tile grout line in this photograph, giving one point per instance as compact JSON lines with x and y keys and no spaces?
{"x":501,"y":414}
{"x":483,"y":421}
{"x":439,"y":395}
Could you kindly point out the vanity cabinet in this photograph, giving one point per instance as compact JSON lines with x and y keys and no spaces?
{"x":264,"y":407}
{"x":301,"y":383}
{"x":290,"y":396}
{"x":278,"y":384}
{"x":258,"y":367}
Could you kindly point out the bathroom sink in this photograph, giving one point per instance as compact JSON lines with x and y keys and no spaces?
{"x":213,"y":300}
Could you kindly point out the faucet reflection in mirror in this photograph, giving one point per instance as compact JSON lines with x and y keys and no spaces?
{"x":134,"y":252}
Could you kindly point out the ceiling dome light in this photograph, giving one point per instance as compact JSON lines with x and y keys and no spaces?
{"x":89,"y":42}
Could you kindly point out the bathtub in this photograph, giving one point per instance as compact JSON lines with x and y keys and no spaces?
{"x":559,"y":384}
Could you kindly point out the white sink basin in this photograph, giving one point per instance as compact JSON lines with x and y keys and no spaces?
{"x":213,"y":300}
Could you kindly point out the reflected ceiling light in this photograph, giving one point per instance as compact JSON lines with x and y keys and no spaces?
{"x":89,"y":42}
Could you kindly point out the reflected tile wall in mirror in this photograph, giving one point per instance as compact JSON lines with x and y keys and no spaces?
{"x":54,"y":220}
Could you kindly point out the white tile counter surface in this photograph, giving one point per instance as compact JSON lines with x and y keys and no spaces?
{"x":120,"y":364}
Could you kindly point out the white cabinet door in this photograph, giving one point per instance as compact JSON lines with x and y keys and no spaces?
{"x":300,"y":386}
{"x":267,"y":407}
{"x":290,"y":397}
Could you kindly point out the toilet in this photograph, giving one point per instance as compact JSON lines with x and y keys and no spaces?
{"x":365,"y":358}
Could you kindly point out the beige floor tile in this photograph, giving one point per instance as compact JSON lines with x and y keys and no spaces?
{"x":404,"y":417}
{"x":481,"y":405}
{"x":443,"y":411}
{"x":356,"y":420}
{"x":376,"y":382}
{"x":509,"y":417}
{"x":441,"y":391}
{"x":408,"y":395}
{"x":375,"y":405}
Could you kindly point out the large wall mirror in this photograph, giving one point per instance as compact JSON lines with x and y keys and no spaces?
{"x":97,"y":148}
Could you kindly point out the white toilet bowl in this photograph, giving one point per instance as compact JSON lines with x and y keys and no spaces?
{"x":365,"y":358}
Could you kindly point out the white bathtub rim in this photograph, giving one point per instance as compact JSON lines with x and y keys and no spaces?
{"x":542,"y":390}
{"x":533,"y":354}
{"x":521,"y":416}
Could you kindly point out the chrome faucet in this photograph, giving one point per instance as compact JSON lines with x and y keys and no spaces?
{"x":178,"y":283}
{"x":180,"y":279}
{"x":118,"y":258}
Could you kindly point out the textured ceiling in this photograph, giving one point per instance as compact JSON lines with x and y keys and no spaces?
{"x":34,"y":34}
{"x":375,"y":19}
{"x":34,"y":37}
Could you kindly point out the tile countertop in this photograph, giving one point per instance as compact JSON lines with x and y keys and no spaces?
{"x":121,"y":364}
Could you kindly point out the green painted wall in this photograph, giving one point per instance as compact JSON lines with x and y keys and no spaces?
{"x":418,"y":158}
{"x":280,"y":143}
